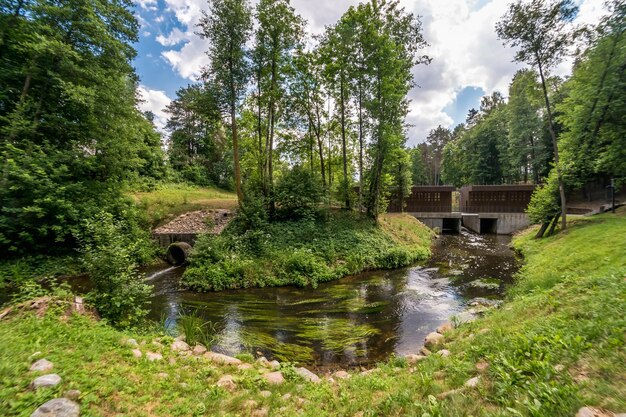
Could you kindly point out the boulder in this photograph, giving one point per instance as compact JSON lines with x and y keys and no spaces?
{"x":244,"y":366}
{"x":482,"y":365}
{"x":445,"y":327}
{"x":472,"y":382}
{"x":227,"y":382}
{"x":265,"y":394}
{"x":153,"y":356}
{"x":594,"y":412}
{"x":72,"y":394}
{"x":250,"y":404}
{"x":274,"y":378}
{"x":433,"y":339}
{"x":222,"y":359}
{"x":59,"y":407}
{"x":199,"y":350}
{"x":341,"y":375}
{"x":46,"y":381}
{"x":163,"y":375}
{"x":137,"y":353}
{"x":411,"y":359}
{"x":274,"y":364}
{"x":286,"y":397}
{"x":180,"y":346}
{"x":425,"y":352}
{"x":444,"y":353}
{"x":261,"y":412}
{"x":308,"y":375}
{"x":130,"y":342}
{"x":42,"y":365}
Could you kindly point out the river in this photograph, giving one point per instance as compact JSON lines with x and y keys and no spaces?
{"x":356,"y":320}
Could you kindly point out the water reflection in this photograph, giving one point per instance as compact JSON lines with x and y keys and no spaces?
{"x":355,"y":320}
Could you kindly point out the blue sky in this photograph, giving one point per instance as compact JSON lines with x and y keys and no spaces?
{"x":468,"y":59}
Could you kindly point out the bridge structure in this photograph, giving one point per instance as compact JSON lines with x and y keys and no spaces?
{"x":498,"y":209}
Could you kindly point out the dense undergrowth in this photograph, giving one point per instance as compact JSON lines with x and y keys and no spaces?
{"x":557,"y":344}
{"x":305,"y":252}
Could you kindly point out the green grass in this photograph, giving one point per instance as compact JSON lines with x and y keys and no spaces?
{"x":306,"y":252}
{"x":170,"y":200}
{"x":558,"y":343}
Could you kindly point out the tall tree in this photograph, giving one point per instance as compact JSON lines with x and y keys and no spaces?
{"x":541,"y":31}
{"x":227,"y":27}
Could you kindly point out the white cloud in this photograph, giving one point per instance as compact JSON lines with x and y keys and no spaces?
{"x":175,"y":37}
{"x":155,"y":101}
{"x":147,"y":4}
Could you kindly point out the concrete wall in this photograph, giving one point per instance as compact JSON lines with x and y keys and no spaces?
{"x":508,"y":223}
{"x":432,"y":222}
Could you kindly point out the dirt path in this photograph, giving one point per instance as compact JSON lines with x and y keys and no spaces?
{"x":201,"y":221}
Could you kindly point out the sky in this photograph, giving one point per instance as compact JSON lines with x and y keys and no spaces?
{"x":468,"y":60}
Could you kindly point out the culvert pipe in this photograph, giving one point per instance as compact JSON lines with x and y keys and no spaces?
{"x":178,"y":252}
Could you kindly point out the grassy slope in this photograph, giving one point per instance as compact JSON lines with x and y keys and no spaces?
{"x":306,"y":252}
{"x":557,"y":344}
{"x":170,"y":200}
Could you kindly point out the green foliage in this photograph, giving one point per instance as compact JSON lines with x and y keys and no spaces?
{"x":304,"y":252}
{"x":196,"y":330}
{"x":544,"y":203}
{"x":298,"y":193}
{"x":111,"y":250}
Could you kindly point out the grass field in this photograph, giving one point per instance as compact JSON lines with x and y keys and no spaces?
{"x":558,"y":343}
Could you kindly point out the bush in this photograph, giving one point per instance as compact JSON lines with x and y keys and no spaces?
{"x":298,"y":193}
{"x":110,"y":257}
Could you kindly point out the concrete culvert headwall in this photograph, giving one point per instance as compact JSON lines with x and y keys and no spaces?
{"x":178,"y":252}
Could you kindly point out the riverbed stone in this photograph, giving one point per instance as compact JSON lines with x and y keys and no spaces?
{"x":137,"y":353}
{"x":433,"y":339}
{"x":244,"y":367}
{"x":286,"y":397}
{"x":42,"y":365}
{"x":482,"y":365}
{"x":130,"y":342}
{"x":411,"y":359}
{"x":472,"y":382}
{"x":72,"y":394}
{"x":444,"y":353}
{"x":341,"y":375}
{"x":227,"y":382}
{"x":250,"y":404}
{"x":154,"y":356}
{"x":308,"y":375}
{"x":274,"y":378}
{"x":261,"y":412}
{"x":594,"y":412}
{"x":274,"y":364}
{"x":199,"y":350}
{"x":425,"y":352}
{"x":58,"y":407}
{"x":265,"y":394}
{"x":445,"y":327}
{"x":180,"y":346}
{"x":46,"y":381}
{"x":222,"y":359}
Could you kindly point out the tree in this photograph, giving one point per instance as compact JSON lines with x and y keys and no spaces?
{"x":402,"y":174}
{"x":437,"y":139}
{"x":227,"y":28}
{"x":540,"y":29}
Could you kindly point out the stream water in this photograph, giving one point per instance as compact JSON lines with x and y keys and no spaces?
{"x":356,"y":320}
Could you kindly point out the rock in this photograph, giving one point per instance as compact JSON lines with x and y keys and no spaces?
{"x":308,"y":375}
{"x":559,"y":368}
{"x":433,"y":339}
{"x":157,"y":344}
{"x":72,"y":394}
{"x":263,"y":361}
{"x":137,"y":353}
{"x":250,"y":404}
{"x":371,"y":371}
{"x":261,"y":412}
{"x":172,"y":361}
{"x":411,"y":359}
{"x":131,"y":342}
{"x":435,"y":269}
{"x":445,"y":327}
{"x":244,"y":366}
{"x":444,"y":353}
{"x":448,"y":393}
{"x":199,"y":350}
{"x":222,"y":359}
{"x":180,"y":346}
{"x":483,"y":331}
{"x":42,"y":365}
{"x":274,"y":365}
{"x":594,"y":412}
{"x":465,"y":317}
{"x":472,"y":382}
{"x":46,"y":381}
{"x":485,"y":284}
{"x":425,"y":352}
{"x":300,"y":402}
{"x":286,"y":397}
{"x":163,"y":375}
{"x":341,"y":375}
{"x":274,"y":378}
{"x":482,"y":365}
{"x":153,"y":356}
{"x":485,"y":302}
{"x":227,"y":382}
{"x":265,"y":394}
{"x":59,"y":407}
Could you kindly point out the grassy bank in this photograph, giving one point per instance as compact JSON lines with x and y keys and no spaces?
{"x":170,"y":200}
{"x":557,"y":344}
{"x":305,"y":252}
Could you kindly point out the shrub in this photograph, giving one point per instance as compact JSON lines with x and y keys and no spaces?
{"x":298,"y":193}
{"x":110,"y":258}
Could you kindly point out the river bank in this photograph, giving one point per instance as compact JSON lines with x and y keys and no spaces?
{"x":556,"y":345}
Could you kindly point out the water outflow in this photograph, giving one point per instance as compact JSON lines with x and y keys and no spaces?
{"x":161,"y":272}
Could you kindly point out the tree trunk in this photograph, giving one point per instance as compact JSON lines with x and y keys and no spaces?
{"x":233,"y":124}
{"x":556,"y":147}
{"x":361,"y":182}
{"x":344,"y":153}
{"x":555,"y":221}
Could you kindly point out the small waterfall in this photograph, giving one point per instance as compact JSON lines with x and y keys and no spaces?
{"x":161,"y":272}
